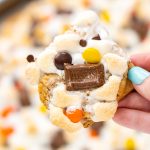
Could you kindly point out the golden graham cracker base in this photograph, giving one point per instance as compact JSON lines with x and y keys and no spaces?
{"x":87,"y":121}
{"x":125,"y":86}
{"x":46,"y":83}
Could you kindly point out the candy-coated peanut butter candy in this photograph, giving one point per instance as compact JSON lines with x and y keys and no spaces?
{"x":105,"y":16}
{"x":43,"y":109}
{"x":75,"y":116}
{"x":7,"y":111}
{"x":91,"y":55}
{"x":7,"y":131}
{"x":130,"y":144}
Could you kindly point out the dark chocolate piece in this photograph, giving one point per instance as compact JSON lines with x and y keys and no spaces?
{"x":30,"y":58}
{"x":97,"y":37}
{"x":84,"y":76}
{"x":58,"y":140}
{"x":62,"y":58}
{"x":83,"y":43}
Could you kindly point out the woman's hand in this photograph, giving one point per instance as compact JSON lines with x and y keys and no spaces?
{"x":134,"y":110}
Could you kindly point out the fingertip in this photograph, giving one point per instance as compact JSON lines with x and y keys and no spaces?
{"x":135,"y":58}
{"x":141,"y":60}
{"x":119,"y":115}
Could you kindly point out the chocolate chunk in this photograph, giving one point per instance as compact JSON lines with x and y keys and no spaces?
{"x":61,"y":58}
{"x":83,"y":43}
{"x":30,"y":58}
{"x":140,"y":26}
{"x":24,"y":98}
{"x":58,"y":140}
{"x":22,"y":93}
{"x":85,"y":76}
{"x":97,"y":126}
{"x":97,"y":37}
{"x":61,"y":11}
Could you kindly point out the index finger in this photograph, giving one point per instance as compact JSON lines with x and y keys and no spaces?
{"x":141,"y":60}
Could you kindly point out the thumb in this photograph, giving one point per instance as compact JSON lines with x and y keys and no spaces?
{"x":141,"y":81}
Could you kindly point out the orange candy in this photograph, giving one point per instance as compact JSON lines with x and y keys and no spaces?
{"x":86,"y":3}
{"x":75,"y":116}
{"x":7,"y":131}
{"x":93,"y":133}
{"x":6,"y":111}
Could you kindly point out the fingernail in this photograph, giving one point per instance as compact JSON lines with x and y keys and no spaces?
{"x":137,"y":75}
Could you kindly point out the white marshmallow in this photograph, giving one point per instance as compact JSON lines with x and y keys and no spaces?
{"x":104,"y":46}
{"x":102,"y":32}
{"x":108,"y":91}
{"x":45,"y":61}
{"x":58,"y":118}
{"x":77,"y":59}
{"x":116,"y":65}
{"x":104,"y":111}
{"x":62,"y":98}
{"x":67,"y":42}
{"x":32,"y":73}
{"x":86,"y":18}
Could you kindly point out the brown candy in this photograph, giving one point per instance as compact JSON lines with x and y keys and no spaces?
{"x":84,"y":76}
{"x":97,"y":37}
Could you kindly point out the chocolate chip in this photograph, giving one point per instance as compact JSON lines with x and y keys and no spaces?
{"x":97,"y":37}
{"x":58,"y":140}
{"x":83,"y":43}
{"x":30,"y":58}
{"x":62,"y":58}
{"x":85,"y":76}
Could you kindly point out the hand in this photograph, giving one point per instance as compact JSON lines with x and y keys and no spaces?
{"x":134,"y":110}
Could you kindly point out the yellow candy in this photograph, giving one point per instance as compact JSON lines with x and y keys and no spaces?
{"x":43,"y":109}
{"x":65,"y":28}
{"x":105,"y":16}
{"x":91,"y":55}
{"x":130,"y":144}
{"x":20,"y":148}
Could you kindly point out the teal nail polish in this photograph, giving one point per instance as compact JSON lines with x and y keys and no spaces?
{"x":137,"y":75}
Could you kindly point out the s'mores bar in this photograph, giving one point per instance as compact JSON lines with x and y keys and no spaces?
{"x":81,"y":75}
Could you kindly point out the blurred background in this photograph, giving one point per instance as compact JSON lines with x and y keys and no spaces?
{"x":27,"y":27}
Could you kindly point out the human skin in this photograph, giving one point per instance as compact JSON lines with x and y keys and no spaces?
{"x":134,"y":110}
